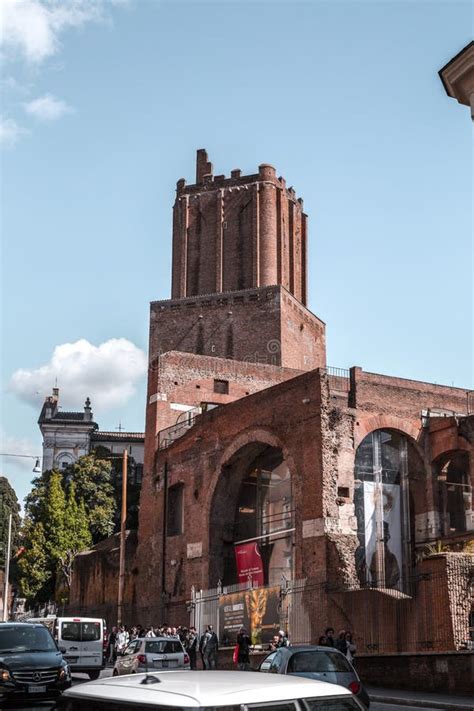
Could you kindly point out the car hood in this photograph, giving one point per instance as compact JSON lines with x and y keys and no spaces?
{"x":31,"y":660}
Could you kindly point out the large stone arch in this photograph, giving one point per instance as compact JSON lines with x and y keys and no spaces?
{"x":366,"y":425}
{"x":230,"y":471}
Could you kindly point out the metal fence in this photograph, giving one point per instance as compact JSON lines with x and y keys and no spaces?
{"x":435,"y":617}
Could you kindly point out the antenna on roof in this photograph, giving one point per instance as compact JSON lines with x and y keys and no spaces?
{"x":119,"y":428}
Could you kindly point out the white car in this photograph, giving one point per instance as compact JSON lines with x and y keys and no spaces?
{"x":151,"y":653}
{"x":209,"y":691}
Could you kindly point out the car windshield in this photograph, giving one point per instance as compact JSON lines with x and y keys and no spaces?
{"x":321,"y":704}
{"x":315,"y":661}
{"x":22,"y":639}
{"x":163,"y":647}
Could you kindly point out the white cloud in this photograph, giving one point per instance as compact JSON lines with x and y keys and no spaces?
{"x":31,"y":28}
{"x":47,"y":108}
{"x":10,"y":131}
{"x":107,"y":373}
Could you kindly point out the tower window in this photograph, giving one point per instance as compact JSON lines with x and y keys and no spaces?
{"x":221,"y":386}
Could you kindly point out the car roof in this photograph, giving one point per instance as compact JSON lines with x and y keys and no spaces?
{"x":307,"y":648}
{"x":22,"y":625}
{"x":203,"y":688}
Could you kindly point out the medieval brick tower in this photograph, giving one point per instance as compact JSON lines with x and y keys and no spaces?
{"x":238,"y":307}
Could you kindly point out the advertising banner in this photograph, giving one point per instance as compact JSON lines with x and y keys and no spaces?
{"x":256,"y":609}
{"x":249,"y":563}
{"x":388,"y":496}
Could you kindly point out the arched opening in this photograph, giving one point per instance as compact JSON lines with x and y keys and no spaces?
{"x":252,"y":523}
{"x":452,"y":471}
{"x":385,"y":460}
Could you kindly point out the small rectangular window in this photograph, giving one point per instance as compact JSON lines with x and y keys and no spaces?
{"x":174,"y":518}
{"x":221,"y":386}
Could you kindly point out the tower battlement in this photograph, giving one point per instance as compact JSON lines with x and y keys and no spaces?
{"x":238,"y":232}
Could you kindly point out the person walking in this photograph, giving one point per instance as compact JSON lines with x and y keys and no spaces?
{"x":283,"y":640}
{"x":111,"y":651}
{"x":351,"y":648}
{"x":210,"y":648}
{"x":191,"y":646}
{"x":340,"y":643}
{"x":243,"y":652}
{"x":329,"y":634}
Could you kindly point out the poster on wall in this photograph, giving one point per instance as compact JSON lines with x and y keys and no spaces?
{"x":392,"y":534}
{"x":256,"y":609}
{"x":249,"y":563}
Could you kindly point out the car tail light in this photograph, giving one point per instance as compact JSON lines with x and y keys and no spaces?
{"x":141,"y":658}
{"x":354,"y":686}
{"x":186,"y":659}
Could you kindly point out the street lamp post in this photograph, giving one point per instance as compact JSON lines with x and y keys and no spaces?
{"x":7,"y":568}
{"x":123,"y":524}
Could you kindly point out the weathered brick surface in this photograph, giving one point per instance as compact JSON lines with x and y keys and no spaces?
{"x":266,"y":325}
{"x":237,"y":233}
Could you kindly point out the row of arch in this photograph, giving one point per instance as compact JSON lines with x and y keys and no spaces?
{"x":389,"y":478}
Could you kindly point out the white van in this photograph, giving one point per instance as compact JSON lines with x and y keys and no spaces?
{"x":81,"y":640}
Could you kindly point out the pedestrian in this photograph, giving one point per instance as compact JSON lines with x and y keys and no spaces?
{"x":351,"y":648}
{"x":210,"y":648}
{"x":111,"y":651}
{"x":329,"y":634}
{"x":274,"y":643}
{"x":150,"y":632}
{"x":323,"y":641}
{"x":283,"y":640}
{"x":243,"y":652}
{"x":192,"y":643}
{"x":340,"y":643}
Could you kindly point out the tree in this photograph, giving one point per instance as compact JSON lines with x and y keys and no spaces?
{"x":66,"y":512}
{"x":92,"y":480}
{"x":77,"y":534}
{"x":8,"y":504}
{"x":36,"y":578}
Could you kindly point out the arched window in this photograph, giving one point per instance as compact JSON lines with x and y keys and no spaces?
{"x":264,"y":515}
{"x":63,"y":460}
{"x":382,"y":509}
{"x":453,"y":476}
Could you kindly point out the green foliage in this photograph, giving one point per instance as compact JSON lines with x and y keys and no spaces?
{"x":66,"y":512}
{"x":92,"y":479}
{"x":36,"y":578}
{"x":8,"y":504}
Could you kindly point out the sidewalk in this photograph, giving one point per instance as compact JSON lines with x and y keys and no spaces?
{"x":422,"y":699}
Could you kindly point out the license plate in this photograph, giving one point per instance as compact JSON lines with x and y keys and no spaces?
{"x":37,"y":690}
{"x":164,"y":665}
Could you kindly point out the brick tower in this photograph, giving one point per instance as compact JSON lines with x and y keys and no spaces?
{"x":237,"y":233}
{"x":238,"y":308}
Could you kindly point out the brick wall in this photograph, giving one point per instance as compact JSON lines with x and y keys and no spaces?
{"x":237,"y":232}
{"x":264,"y":325}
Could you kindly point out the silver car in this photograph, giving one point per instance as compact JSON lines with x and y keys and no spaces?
{"x":151,"y":653}
{"x":316,"y":662}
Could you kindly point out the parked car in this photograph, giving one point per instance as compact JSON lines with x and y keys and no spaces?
{"x":149,"y":653}
{"x":208,"y":691}
{"x":83,"y":640}
{"x":31,"y":665}
{"x":313,"y":662}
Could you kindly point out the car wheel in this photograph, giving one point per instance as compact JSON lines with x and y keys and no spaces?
{"x":94,"y":674}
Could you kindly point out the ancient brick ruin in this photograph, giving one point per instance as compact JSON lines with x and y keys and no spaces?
{"x":340,"y":478}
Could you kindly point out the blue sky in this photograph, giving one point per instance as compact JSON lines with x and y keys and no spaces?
{"x":104,"y":104}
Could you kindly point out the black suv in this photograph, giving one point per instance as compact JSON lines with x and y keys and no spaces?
{"x":31,"y":665}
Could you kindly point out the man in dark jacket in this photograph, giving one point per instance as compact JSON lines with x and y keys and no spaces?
{"x":243,"y":655}
{"x":210,"y":647}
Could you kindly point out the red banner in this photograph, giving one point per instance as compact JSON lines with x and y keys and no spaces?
{"x":249,"y":563}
